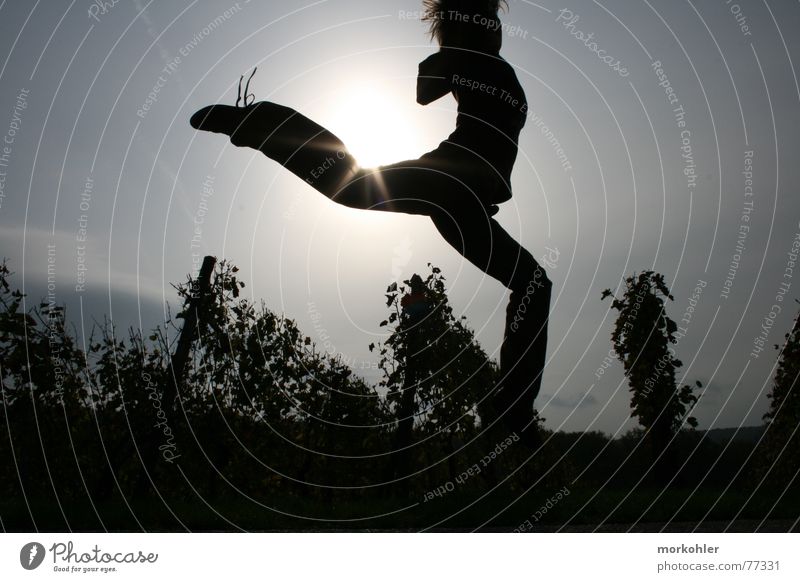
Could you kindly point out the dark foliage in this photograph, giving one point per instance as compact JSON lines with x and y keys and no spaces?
{"x":642,"y":338}
{"x":268,"y":433}
{"x":780,"y":452}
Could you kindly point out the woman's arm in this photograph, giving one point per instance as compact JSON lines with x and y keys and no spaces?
{"x":433,"y":80}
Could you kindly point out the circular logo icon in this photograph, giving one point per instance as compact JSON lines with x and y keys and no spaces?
{"x":31,"y":555}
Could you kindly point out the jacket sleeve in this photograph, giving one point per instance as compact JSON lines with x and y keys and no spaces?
{"x":433,"y":80}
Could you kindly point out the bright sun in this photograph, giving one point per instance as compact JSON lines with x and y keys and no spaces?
{"x":375,"y":126}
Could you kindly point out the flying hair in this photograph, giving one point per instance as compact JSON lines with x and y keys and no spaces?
{"x":443,"y":14}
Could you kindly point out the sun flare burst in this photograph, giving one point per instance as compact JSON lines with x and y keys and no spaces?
{"x":375,"y":126}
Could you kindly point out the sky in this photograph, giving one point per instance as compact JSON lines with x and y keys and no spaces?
{"x":662,"y":135}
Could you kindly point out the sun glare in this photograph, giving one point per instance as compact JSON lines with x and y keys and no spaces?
{"x":375,"y":126}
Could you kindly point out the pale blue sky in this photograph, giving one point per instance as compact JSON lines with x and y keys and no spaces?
{"x":622,"y":203}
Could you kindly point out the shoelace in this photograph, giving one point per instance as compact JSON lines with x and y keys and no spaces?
{"x":247,"y":94}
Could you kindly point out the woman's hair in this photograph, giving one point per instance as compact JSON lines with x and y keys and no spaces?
{"x":445,"y":16}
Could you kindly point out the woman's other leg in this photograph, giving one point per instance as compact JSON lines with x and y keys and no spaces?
{"x":482,"y":241}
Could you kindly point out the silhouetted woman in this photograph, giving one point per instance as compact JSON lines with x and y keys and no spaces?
{"x":458,"y":185}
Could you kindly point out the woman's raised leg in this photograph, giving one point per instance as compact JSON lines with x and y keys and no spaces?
{"x":302,"y":146}
{"x":319,"y":158}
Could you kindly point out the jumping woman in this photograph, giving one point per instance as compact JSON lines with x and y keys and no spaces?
{"x":458,"y":185}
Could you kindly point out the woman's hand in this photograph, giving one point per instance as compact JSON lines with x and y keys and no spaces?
{"x":433,"y":79}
